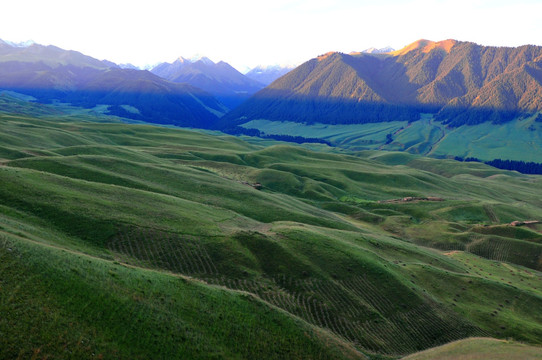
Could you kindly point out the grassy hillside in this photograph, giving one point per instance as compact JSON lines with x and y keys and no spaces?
{"x":132,"y":241}
{"x":442,"y":99}
{"x":515,"y":140}
{"x":480,"y":348}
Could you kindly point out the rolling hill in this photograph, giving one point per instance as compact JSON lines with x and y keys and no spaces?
{"x":49,"y":74}
{"x":134,"y":241}
{"x":221,"y":80}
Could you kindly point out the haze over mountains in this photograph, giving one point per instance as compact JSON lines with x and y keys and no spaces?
{"x":219,"y":81}
{"x":50,"y":74}
{"x":267,"y":74}
{"x":227,"y":84}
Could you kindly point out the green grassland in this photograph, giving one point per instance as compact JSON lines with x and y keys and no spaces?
{"x":135,"y":241}
{"x":515,"y":140}
{"x":479,"y":349}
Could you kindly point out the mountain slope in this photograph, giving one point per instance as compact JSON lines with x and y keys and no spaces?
{"x":221,"y":79}
{"x":155,"y":242}
{"x":169,"y":70}
{"x":49,"y":55}
{"x":333,"y":88}
{"x":459,"y":82}
{"x":49,"y":74}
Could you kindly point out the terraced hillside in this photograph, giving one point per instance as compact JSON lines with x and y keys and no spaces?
{"x":132,"y":241}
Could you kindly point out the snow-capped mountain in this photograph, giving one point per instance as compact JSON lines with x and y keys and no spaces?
{"x":129,"y":66}
{"x":267,"y":74}
{"x":205,"y":60}
{"x":48,"y":73}
{"x":22,"y":44}
{"x":373,"y":50}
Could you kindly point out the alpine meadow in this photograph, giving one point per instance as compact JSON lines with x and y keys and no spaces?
{"x":382,"y":204}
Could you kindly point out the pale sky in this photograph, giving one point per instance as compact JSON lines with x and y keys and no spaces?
{"x":246,"y":33}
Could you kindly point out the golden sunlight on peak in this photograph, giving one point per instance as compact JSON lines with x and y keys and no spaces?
{"x":414,"y":46}
{"x":445,"y":45}
{"x":326,"y":55}
{"x":426,"y":46}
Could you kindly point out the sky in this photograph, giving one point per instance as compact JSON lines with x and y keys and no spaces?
{"x":247,"y":33}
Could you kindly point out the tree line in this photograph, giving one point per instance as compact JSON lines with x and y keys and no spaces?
{"x":239,"y":130}
{"x":519,"y":166}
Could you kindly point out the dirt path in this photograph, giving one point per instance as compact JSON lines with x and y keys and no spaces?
{"x":441,"y":137}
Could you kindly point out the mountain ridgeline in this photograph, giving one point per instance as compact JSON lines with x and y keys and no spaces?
{"x":52,"y":74}
{"x":221,"y":80}
{"x":457,"y":83}
{"x":460,"y":82}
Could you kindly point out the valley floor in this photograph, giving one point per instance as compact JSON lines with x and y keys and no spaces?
{"x":515,"y":140}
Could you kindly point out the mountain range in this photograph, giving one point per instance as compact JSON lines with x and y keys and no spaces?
{"x":459,"y":82}
{"x":220,"y":79}
{"x":129,"y":241}
{"x":444,"y":99}
{"x":51,"y":74}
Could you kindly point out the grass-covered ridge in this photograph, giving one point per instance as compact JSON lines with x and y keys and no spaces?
{"x":132,"y":241}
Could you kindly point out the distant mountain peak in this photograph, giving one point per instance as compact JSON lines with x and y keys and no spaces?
{"x":202,"y":59}
{"x":220,"y":79}
{"x":374,"y":50}
{"x":181,"y":60}
{"x":266,"y":74}
{"x":22,"y":44}
{"x":129,"y":66}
